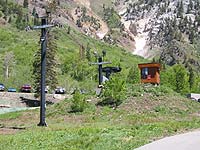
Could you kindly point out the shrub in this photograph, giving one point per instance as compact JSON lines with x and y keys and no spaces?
{"x":114,"y":91}
{"x":78,"y":102}
{"x":133,"y":76}
{"x":176,"y":78}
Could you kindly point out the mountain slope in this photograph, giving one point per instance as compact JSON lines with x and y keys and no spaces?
{"x":160,"y":23}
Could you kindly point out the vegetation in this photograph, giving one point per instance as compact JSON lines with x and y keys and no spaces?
{"x":51,"y":64}
{"x":73,"y":69}
{"x":138,"y":120}
{"x":78,"y":103}
{"x":180,"y":80}
{"x":112,"y":18}
{"x":139,"y":113}
{"x":114,"y":91}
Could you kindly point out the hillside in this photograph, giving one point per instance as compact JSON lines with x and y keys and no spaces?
{"x":127,"y":114}
{"x":139,"y":120}
{"x":145,"y":28}
{"x":25,"y":44}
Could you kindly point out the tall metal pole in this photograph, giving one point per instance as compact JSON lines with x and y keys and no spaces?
{"x":43,"y":72}
{"x":100,"y":70}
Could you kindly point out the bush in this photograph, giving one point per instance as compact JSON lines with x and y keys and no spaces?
{"x":114,"y":91}
{"x":177,"y":78}
{"x":78,"y":102}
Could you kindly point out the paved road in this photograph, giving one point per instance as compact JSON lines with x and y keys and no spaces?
{"x":188,"y":141}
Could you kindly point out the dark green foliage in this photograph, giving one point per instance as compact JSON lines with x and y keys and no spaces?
{"x":191,"y":36}
{"x":177,"y":78}
{"x":78,"y":23}
{"x":112,"y":18}
{"x":194,"y":81}
{"x":114,"y":91}
{"x":88,"y":52}
{"x":68,"y":30}
{"x":36,"y":72}
{"x":181,"y":79}
{"x":79,"y":103}
{"x":34,"y":12}
{"x":180,"y":8}
{"x":17,"y":12}
{"x":25,"y":4}
{"x":133,"y":75}
{"x":51,"y":65}
{"x":191,"y":78}
{"x":88,"y":19}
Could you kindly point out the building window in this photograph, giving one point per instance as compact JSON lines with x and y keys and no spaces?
{"x":144,"y":73}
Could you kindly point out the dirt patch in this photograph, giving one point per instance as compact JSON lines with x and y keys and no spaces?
{"x":85,"y":3}
{"x":7,"y":131}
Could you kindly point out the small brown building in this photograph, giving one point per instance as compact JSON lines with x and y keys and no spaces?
{"x":150,"y":73}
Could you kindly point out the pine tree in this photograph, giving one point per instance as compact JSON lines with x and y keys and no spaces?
{"x":6,"y":10}
{"x":191,"y":36}
{"x":68,"y":30}
{"x":34,"y":12}
{"x":181,"y":79}
{"x":191,"y":79}
{"x":51,"y":64}
{"x":88,"y":50}
{"x":191,"y":5}
{"x":25,"y":4}
{"x":133,"y":75}
{"x":180,"y":9}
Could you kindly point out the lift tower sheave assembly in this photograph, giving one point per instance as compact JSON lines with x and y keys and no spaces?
{"x":100,"y":64}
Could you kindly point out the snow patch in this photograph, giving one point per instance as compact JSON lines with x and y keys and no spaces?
{"x":101,"y":35}
{"x":140,"y":45}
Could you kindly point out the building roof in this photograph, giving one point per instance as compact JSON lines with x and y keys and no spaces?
{"x":150,"y":65}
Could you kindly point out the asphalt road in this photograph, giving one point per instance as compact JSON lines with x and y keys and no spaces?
{"x":187,"y":141}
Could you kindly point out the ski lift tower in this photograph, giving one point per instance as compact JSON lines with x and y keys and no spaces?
{"x":44,"y":26}
{"x":100,"y":63}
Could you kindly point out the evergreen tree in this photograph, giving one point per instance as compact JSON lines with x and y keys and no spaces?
{"x":181,"y":79}
{"x":25,"y":4}
{"x":68,"y":30}
{"x":88,"y":54}
{"x":190,"y":5}
{"x":133,"y":75}
{"x":34,"y":12}
{"x":191,"y":36}
{"x":5,"y":10}
{"x":191,"y":79}
{"x":180,"y":9}
{"x":51,"y":64}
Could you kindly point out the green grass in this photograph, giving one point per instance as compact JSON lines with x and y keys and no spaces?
{"x":12,"y":115}
{"x":25,"y":44}
{"x":138,"y":120}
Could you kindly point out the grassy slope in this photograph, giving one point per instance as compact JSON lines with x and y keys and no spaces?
{"x":25,"y":44}
{"x":139,"y":120}
{"x":147,"y":114}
